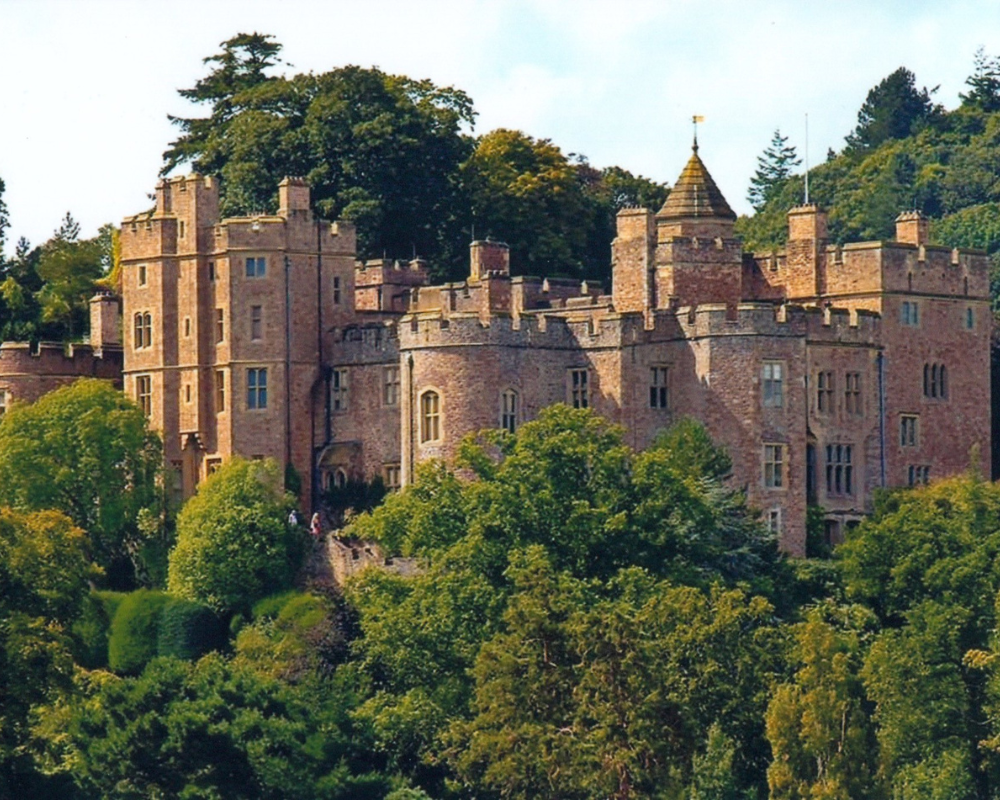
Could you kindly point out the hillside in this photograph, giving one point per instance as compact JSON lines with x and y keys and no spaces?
{"x":906,"y":153}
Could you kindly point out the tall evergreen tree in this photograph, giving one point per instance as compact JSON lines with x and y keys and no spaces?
{"x":984,"y":83}
{"x":774,"y":166}
{"x":892,"y":110}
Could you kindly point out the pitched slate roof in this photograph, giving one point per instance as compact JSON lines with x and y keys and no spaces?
{"x":695,"y":194}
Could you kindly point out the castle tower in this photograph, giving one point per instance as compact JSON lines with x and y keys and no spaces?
{"x":227,"y":323}
{"x":697,"y":259}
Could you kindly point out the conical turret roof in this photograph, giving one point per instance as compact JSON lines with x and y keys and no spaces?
{"x":695,"y":194}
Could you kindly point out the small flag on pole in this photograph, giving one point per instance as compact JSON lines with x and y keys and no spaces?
{"x":696,"y":119}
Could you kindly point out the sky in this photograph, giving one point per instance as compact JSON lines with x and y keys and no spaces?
{"x":86,"y":85}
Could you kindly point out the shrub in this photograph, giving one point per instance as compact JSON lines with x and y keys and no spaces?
{"x":189,"y":630}
{"x":233,"y":544}
{"x":91,"y":630}
{"x":135,"y":631}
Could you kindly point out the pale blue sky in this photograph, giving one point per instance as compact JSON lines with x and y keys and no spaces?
{"x":85,"y":86}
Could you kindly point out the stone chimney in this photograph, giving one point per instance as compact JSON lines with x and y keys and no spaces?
{"x":806,"y":223}
{"x":293,"y":195}
{"x":486,"y":257}
{"x":105,"y":330}
{"x":912,"y":227}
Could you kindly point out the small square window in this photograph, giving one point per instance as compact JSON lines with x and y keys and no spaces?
{"x":142,"y":275}
{"x":390,"y":475}
{"x":910,"y":313}
{"x":212,"y":465}
{"x":256,"y":267}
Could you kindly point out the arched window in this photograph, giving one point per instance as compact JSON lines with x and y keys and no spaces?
{"x":942,"y":381}
{"x":139,"y":333}
{"x":340,"y":478}
{"x":430,"y":417}
{"x":508,"y":410}
{"x":147,"y":324}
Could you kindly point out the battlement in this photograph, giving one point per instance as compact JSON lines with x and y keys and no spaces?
{"x":769,"y":319}
{"x":54,"y":359}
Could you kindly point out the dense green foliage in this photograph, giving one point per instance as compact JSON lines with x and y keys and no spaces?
{"x":43,"y":580}
{"x":774,"y":167}
{"x":45,"y":291}
{"x":233,"y":544}
{"x":905,"y":153}
{"x":211,"y":730}
{"x":135,"y":631}
{"x":579,"y":621}
{"x":87,"y":451}
{"x":396,"y":156}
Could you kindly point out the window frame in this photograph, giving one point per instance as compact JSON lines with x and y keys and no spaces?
{"x":5,"y":399}
{"x":839,"y":469}
{"x":144,"y":393}
{"x":391,"y":385}
{"x":220,"y":325}
{"x":392,"y":476}
{"x":339,"y":387}
{"x":256,"y":389}
{"x":220,"y":391}
{"x":510,"y":406}
{"x":255,"y":266}
{"x":430,"y":418}
{"x":909,"y":313}
{"x":853,"y":405}
{"x":256,"y":323}
{"x":909,"y":430}
{"x":774,"y":465}
{"x":142,"y":277}
{"x":659,"y":387}
{"x":825,"y":389}
{"x":578,"y":387}
{"x":772,"y":387}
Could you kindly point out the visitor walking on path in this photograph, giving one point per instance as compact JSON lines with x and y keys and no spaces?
{"x":315,"y":527}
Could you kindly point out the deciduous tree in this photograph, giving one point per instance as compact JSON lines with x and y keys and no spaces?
{"x":87,"y":451}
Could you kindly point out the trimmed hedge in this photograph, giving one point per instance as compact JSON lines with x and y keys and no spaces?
{"x":149,"y":624}
{"x":92,"y":630}
{"x":135,"y":631}
{"x":189,"y":630}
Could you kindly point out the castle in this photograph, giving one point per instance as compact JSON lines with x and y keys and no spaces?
{"x":28,"y":371}
{"x":826,"y":371}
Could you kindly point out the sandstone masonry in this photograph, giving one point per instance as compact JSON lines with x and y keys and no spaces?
{"x":826,"y":371}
